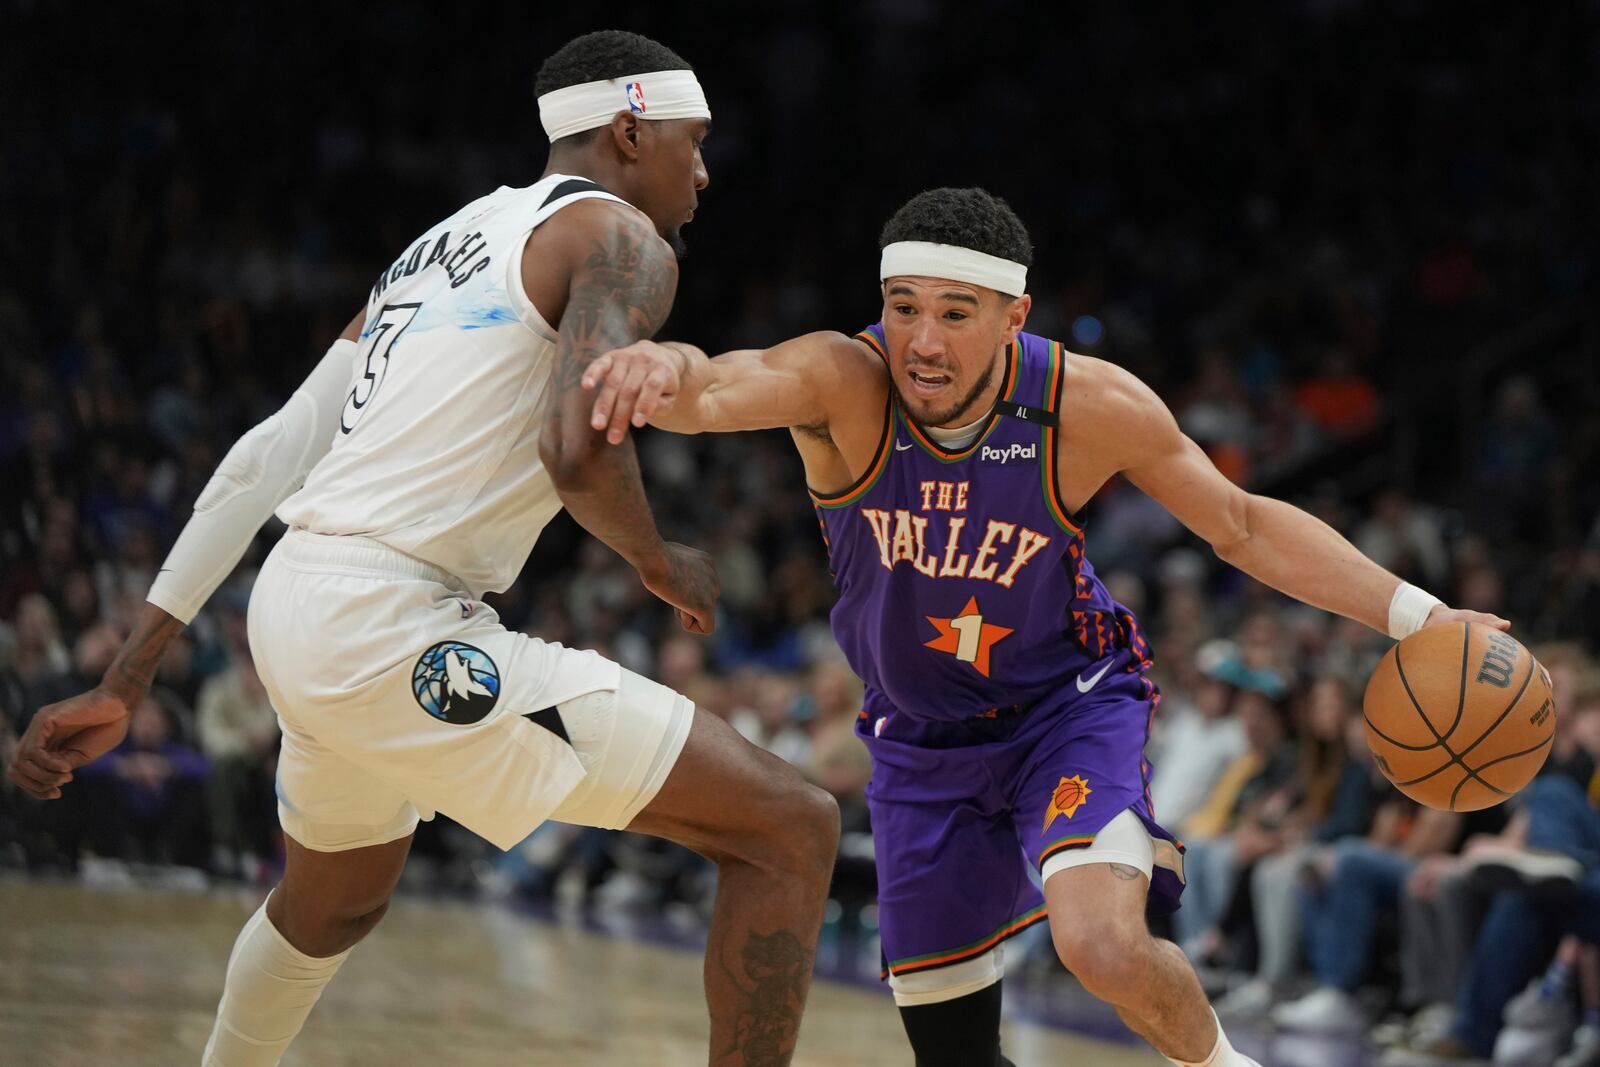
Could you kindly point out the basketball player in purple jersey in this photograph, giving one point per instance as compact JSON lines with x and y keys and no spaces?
{"x":1007,"y":706}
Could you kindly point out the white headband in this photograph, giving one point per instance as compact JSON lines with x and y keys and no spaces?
{"x":664,"y":94}
{"x":924,"y":258}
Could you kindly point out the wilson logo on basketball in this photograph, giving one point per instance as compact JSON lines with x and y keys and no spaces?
{"x":1538,"y":717}
{"x":1498,"y":660}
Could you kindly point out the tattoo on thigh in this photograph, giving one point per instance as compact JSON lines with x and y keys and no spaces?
{"x":1124,"y":872}
{"x":776,"y":967}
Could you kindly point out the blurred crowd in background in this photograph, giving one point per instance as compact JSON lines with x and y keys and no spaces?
{"x":1371,"y":296}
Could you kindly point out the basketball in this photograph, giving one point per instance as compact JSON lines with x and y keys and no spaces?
{"x":1459,"y":716}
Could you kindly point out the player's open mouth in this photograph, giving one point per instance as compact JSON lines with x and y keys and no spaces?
{"x":928,"y":382}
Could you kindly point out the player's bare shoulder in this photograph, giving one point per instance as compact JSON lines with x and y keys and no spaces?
{"x":608,"y":241}
{"x":1110,"y":421}
{"x":850,"y":381}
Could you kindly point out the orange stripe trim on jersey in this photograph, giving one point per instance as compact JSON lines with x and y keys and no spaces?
{"x":864,"y":484}
{"x":1064,"y":845}
{"x":1047,"y":469}
{"x":872,"y":340}
{"x":977,"y":948}
{"x":1008,"y":386}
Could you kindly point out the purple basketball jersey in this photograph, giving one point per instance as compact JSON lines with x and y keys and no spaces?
{"x":963,"y":585}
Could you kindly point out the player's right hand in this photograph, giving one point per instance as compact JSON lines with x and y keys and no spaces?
{"x":687,"y":580}
{"x":634,"y":383}
{"x":63,"y":737}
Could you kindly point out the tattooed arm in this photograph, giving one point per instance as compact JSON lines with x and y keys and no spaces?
{"x":622,"y":278}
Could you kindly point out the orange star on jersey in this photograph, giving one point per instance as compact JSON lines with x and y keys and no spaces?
{"x":1068,"y":798}
{"x":967,"y":636}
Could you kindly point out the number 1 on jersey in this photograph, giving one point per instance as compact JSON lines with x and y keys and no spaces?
{"x":392,"y":322}
{"x":970,"y":627}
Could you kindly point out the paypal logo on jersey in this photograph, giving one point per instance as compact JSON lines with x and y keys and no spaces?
{"x":456,"y":683}
{"x":1010,"y":452}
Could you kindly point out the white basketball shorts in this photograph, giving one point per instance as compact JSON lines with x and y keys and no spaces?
{"x":401,"y":695}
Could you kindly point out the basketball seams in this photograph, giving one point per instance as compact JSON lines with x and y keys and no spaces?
{"x":1440,"y":742}
{"x":1461,"y":705}
{"x":1395,"y":652}
{"x":1509,"y":709}
{"x":1516,"y":755}
{"x":1437,"y":659}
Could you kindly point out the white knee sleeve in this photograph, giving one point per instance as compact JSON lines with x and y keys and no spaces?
{"x":1123,"y":840}
{"x":947,"y":983}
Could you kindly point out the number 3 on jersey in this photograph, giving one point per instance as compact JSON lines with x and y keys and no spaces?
{"x":392,"y":322}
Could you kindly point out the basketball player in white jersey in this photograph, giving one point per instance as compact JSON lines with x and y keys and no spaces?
{"x":415,"y":468}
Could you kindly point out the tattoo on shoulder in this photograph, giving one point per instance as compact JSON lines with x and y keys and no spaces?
{"x":623,"y":293}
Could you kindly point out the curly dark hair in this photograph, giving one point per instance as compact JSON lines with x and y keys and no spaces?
{"x":604,"y":54}
{"x":970,"y":218}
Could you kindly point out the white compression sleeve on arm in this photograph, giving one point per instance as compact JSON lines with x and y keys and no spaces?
{"x":259,"y":471}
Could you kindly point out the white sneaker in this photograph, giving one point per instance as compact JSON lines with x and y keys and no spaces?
{"x":1532,"y":1010}
{"x":1585,"y":1051}
{"x":1519,"y":1047}
{"x":1431,"y":1024}
{"x":1322,"y":1011}
{"x":1250,"y":1001}
{"x":1442,"y":1053}
{"x":1503,"y":865}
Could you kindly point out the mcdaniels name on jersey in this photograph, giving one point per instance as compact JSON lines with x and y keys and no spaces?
{"x":455,"y":260}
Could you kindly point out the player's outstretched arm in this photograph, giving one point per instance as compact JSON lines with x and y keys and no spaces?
{"x":1274,"y":542}
{"x":622,"y":281}
{"x":259,"y":471}
{"x":676,"y":386}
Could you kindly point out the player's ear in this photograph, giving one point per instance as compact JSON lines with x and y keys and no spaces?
{"x":624,"y":131}
{"x":1017,"y":316}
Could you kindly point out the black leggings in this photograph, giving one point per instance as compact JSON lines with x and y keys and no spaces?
{"x":964,"y":1032}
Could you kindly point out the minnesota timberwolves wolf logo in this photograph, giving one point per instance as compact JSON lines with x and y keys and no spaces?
{"x":456,"y":683}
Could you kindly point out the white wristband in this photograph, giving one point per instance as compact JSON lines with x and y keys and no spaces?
{"x":1409,"y":610}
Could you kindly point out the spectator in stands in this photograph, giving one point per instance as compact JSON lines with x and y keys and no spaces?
{"x":1358,"y":885}
{"x":1197,"y":738}
{"x":1341,"y":790}
{"x":1549,"y":860}
{"x":239,"y":736}
{"x":1247,"y":799}
{"x":148,"y":794}
{"x":1404,"y":538}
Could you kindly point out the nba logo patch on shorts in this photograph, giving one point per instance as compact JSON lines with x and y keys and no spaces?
{"x":456,"y":683}
{"x":636,"y":97}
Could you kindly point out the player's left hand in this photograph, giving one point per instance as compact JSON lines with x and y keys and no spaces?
{"x":63,"y":737}
{"x":634,"y":383}
{"x":1444,"y":613}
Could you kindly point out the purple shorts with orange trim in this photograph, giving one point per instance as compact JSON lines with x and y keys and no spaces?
{"x":961,"y":809}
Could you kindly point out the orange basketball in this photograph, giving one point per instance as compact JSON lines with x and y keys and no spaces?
{"x":1459,"y":716}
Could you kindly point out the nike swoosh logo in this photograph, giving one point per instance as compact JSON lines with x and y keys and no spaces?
{"x":898,"y":447}
{"x":1084,"y":687}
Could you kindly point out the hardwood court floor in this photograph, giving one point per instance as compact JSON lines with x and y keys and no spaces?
{"x":130,"y":978}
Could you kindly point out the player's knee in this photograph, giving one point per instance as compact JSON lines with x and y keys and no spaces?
{"x":1110,"y":962}
{"x":801,"y":835}
{"x":324,"y":929}
{"x":816,"y":830}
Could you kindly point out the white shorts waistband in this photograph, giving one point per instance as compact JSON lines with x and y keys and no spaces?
{"x":349,"y":554}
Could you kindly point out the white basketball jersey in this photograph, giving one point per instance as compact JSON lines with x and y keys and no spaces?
{"x":437,"y":452}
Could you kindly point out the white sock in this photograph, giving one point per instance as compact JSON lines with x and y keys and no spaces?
{"x":1222,"y":1054}
{"x":270,"y":989}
